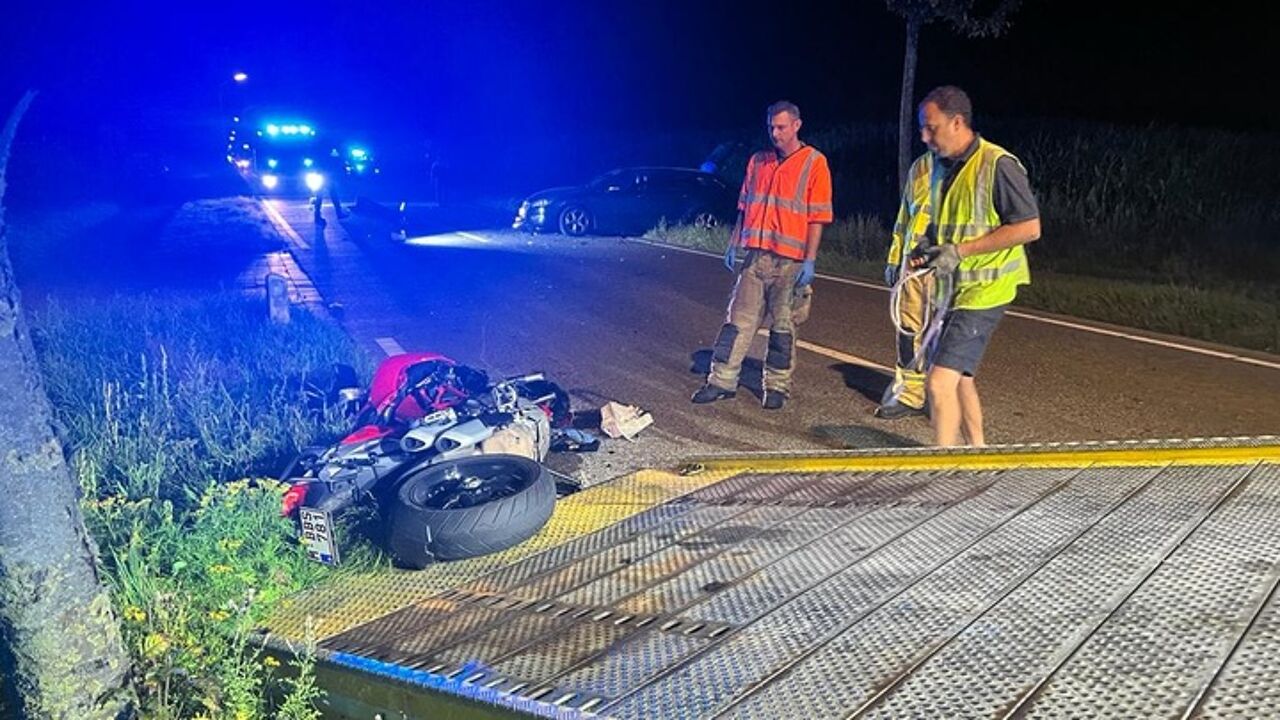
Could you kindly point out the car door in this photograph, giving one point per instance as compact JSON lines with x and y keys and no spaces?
{"x":667,"y":197}
{"x":617,"y":202}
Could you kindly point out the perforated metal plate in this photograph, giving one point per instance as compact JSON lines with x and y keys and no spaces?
{"x":1131,"y":590}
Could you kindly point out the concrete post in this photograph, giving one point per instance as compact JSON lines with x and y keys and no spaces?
{"x":278,"y":297}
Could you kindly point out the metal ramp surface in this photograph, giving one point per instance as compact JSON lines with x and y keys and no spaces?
{"x":1097,"y":580}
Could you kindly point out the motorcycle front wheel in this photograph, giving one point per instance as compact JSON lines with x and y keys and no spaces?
{"x":469,"y":507}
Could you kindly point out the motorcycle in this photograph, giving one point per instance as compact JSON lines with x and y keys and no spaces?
{"x":451,"y":461}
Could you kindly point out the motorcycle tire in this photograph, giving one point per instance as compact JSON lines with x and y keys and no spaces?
{"x":469,"y":507}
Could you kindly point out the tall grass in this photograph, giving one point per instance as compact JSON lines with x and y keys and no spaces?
{"x":1169,"y":229}
{"x":174,"y":411}
{"x":1194,"y":207}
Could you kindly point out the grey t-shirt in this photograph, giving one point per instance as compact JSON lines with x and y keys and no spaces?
{"x":1013,"y":198}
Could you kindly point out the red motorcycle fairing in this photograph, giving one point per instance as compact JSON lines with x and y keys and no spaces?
{"x":387,"y":380}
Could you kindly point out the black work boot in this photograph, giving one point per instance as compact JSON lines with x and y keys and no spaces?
{"x":710,"y":393}
{"x":896,"y":410}
{"x":773,"y":400}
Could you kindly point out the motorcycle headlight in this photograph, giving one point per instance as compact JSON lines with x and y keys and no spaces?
{"x":315,"y":181}
{"x":270,"y":181}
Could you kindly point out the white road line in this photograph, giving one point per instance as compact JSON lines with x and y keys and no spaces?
{"x":389,"y":346}
{"x":472,"y":236}
{"x":1028,"y":316}
{"x":835,"y":354}
{"x":1149,"y":340}
{"x":268,"y":206}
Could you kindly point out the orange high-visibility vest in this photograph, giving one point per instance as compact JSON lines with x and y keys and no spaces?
{"x":780,"y":197}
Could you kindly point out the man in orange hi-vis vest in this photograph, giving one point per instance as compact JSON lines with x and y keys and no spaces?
{"x":784,"y":203}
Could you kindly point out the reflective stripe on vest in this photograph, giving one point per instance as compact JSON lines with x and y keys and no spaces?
{"x":789,"y":246}
{"x":913,"y":212}
{"x":967,"y":213}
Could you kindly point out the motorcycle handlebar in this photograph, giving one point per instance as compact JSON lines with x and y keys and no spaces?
{"x":516,"y":379}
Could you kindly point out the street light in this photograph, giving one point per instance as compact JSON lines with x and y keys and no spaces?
{"x":239,"y":77}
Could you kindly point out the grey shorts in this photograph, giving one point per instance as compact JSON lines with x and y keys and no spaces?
{"x":965,"y":334}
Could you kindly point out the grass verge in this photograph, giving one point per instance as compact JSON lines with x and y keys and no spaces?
{"x":175,"y":411}
{"x":1245,"y":316}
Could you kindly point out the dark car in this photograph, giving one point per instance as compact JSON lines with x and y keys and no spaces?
{"x":630,"y":201}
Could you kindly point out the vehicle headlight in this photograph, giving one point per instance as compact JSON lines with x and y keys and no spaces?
{"x":270,"y":181}
{"x":315,"y":181}
{"x":242,"y":163}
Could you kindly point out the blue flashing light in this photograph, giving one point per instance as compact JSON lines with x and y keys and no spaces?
{"x":289,"y":129}
{"x":245,"y":146}
{"x":270,"y":181}
{"x":273,"y":130}
{"x":358,"y":153}
{"x":308,"y":162}
{"x":305,"y":130}
{"x":359,"y":167}
{"x":240,"y":77}
{"x":272,"y":162}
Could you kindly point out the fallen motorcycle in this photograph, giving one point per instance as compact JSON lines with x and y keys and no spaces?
{"x":449,"y":460}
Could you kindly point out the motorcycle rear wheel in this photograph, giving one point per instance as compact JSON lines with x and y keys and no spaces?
{"x":468,"y":507}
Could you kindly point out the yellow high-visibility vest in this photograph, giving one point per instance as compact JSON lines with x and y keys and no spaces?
{"x":967,"y":213}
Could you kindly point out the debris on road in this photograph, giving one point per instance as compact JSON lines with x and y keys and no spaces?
{"x":618,"y":420}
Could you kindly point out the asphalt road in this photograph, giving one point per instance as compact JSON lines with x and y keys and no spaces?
{"x":619,"y":319}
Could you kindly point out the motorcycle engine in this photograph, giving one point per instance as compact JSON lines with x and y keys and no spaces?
{"x":528,"y":434}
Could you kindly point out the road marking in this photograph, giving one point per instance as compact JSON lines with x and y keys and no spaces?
{"x":1235,"y":357}
{"x":1150,"y":341}
{"x":389,"y":346}
{"x":834,"y":354}
{"x":268,"y":206}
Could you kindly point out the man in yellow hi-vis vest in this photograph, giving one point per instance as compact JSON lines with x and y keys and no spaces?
{"x":980,"y":212}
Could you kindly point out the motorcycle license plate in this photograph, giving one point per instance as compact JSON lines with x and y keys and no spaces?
{"x":317,"y":536}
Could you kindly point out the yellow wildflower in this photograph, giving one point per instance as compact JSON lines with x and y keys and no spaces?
{"x":219,"y":569}
{"x":270,"y":661}
{"x":155,"y":645}
{"x":133,"y":613}
{"x":219,"y":615}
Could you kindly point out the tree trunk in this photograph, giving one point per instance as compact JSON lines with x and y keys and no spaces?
{"x":906,"y":102}
{"x":61,"y":654}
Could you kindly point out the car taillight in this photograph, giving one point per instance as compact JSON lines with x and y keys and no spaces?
{"x":293,"y":499}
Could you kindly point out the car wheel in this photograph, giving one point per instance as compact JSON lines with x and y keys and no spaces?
{"x":705,"y":220}
{"x":575,"y":221}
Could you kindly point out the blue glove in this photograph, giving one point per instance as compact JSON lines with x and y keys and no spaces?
{"x":731,"y":256}
{"x":890,"y":275}
{"x":805,"y":276}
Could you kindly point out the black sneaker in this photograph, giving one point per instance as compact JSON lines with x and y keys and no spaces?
{"x":710,"y":393}
{"x":895,"y":411}
{"x":773,"y":400}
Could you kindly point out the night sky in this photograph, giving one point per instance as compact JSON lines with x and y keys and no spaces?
{"x":488,"y":71}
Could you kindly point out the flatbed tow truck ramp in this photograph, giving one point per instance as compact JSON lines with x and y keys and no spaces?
{"x":1116,"y":580}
